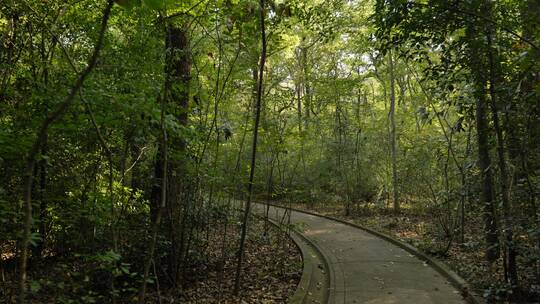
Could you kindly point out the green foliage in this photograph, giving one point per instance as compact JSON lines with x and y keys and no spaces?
{"x":324,"y":134}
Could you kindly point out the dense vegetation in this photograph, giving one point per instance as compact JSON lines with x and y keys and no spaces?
{"x":131,"y":129}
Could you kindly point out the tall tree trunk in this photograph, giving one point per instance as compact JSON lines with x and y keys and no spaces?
{"x":511,"y":268}
{"x":176,"y":99}
{"x":38,"y":249}
{"x":299,"y":93}
{"x":391,"y":116}
{"x":484,"y":164}
{"x":155,"y":196}
{"x":159,"y":212}
{"x":42,"y":201}
{"x":530,"y":15}
{"x":307,"y":88}
{"x":253,"y":151}
{"x":269,"y":191}
{"x":465,"y":191}
{"x":477,"y":65}
{"x":177,"y":81}
{"x":342,"y":141}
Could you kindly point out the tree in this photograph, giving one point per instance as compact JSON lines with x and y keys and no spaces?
{"x":40,"y":139}
{"x":258,"y":101}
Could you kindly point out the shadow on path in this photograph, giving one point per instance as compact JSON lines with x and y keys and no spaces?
{"x":364,"y":268}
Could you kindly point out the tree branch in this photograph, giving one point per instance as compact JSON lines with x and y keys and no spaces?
{"x":33,"y":153}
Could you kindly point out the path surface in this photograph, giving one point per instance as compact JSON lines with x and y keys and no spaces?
{"x":366,"y":269}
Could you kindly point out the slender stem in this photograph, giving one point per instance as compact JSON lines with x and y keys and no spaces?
{"x":253,"y":152}
{"x":155,"y":226}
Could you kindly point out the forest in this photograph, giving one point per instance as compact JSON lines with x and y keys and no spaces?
{"x":136,"y":137}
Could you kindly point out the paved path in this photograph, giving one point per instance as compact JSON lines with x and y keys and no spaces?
{"x":366,"y":269}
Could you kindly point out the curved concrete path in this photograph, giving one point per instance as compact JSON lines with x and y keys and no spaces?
{"x":364,"y":268}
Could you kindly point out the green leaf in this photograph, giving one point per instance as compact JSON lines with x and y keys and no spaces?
{"x":155,"y":4}
{"x":34,"y":238}
{"x":35,"y":286}
{"x":129,"y":4}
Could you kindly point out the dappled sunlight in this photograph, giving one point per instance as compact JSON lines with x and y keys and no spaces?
{"x":318,"y":232}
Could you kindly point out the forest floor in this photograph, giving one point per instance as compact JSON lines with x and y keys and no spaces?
{"x":272,"y":270}
{"x":423,"y":232}
{"x":273,"y":267}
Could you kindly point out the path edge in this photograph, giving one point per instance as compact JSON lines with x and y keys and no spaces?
{"x":308,"y":263}
{"x":456,"y":280}
{"x":302,"y":290}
